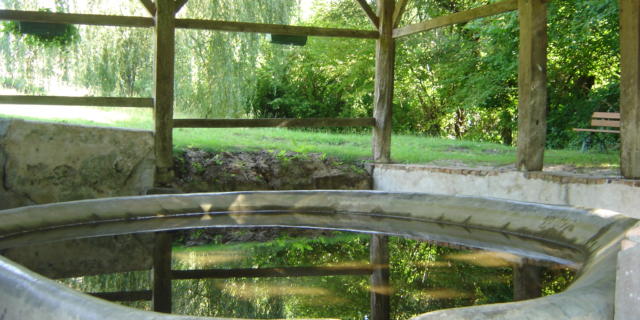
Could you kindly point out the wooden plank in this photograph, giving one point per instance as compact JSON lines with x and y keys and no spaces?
{"x":606,"y":115}
{"x":630,"y":88}
{"x":380,"y":284}
{"x":401,"y":5}
{"x":372,"y":15}
{"x":164,"y":40}
{"x":86,"y":19}
{"x":605,"y":123}
{"x":596,"y":130}
{"x":532,"y":85}
{"x":78,"y":101}
{"x":265,"y":123}
{"x":458,"y":17}
{"x":143,"y":295}
{"x":273,"y":28}
{"x":180,"y":4}
{"x":272,"y":272}
{"x":383,"y":95}
{"x":161,"y":293}
{"x":527,"y":282}
{"x":151,"y":7}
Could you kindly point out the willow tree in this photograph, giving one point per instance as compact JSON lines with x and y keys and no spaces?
{"x":215,"y":71}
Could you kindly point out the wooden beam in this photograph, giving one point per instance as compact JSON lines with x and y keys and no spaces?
{"x":527,"y":281}
{"x":143,"y":295}
{"x":401,"y":5}
{"x":161,"y":293}
{"x":86,"y":19}
{"x":163,"y":91}
{"x":630,"y":88}
{"x":128,"y":21}
{"x":265,"y":123}
{"x":458,"y":17}
{"x":180,"y":4}
{"x":271,"y":272}
{"x":383,"y":95}
{"x":151,"y":7}
{"x":532,"y":85}
{"x":380,"y":284}
{"x":273,"y":28}
{"x":78,"y":101}
{"x":372,"y":15}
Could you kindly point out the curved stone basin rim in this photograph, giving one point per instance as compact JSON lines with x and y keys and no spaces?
{"x":472,"y":221}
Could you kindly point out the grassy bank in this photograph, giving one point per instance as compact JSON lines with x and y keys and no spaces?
{"x":349,"y":147}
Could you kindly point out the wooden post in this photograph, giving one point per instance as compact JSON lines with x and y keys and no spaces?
{"x":532,"y":84}
{"x":380,"y":286}
{"x":161,"y":293}
{"x":383,"y":96}
{"x":630,"y":88}
{"x":527,"y":281}
{"x":163,"y":91}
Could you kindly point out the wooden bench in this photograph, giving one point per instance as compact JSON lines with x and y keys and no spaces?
{"x":604,"y":119}
{"x":605,"y":122}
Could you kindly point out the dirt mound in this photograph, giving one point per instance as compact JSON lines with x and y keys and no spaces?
{"x":203,"y":171}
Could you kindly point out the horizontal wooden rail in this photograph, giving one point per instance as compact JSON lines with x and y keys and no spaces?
{"x":271,"y":272}
{"x":143,"y":295}
{"x":274,"y":28}
{"x":71,"y":18}
{"x":606,"y":115}
{"x":265,"y":123}
{"x":145,"y":22}
{"x":458,"y":17}
{"x":78,"y":101}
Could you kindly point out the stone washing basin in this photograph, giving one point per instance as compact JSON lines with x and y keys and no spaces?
{"x":588,"y":239}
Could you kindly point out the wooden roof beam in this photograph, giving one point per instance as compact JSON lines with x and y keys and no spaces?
{"x":372,"y":15}
{"x":274,"y":28}
{"x":401,"y":5}
{"x":151,"y":7}
{"x":180,"y":4}
{"x":70,"y":18}
{"x":458,"y":17}
{"x":144,"y":22}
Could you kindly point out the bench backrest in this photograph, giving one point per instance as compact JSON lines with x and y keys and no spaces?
{"x":605,"y":119}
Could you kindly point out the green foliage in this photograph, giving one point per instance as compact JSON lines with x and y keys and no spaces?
{"x":329,"y":77}
{"x":424,"y":277}
{"x":58,"y":35}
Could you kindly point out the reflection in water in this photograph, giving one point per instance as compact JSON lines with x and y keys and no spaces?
{"x":195,"y":259}
{"x":444,"y":293}
{"x":488,"y":259}
{"x":424,"y":276}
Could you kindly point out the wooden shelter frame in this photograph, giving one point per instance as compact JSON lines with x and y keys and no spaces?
{"x":532,"y":83}
{"x":532,"y":78}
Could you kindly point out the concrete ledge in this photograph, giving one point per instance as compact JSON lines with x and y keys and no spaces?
{"x":628,"y":277}
{"x":611,"y":193}
{"x":590,"y":238}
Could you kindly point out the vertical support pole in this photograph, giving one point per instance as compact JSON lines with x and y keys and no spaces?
{"x":161,"y":299}
{"x":532,"y":84}
{"x":380,"y":286}
{"x":163,"y":91}
{"x":383,"y":96}
{"x":527,"y":281}
{"x":630,"y":88}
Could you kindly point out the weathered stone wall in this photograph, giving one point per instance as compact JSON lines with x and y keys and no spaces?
{"x":50,"y":162}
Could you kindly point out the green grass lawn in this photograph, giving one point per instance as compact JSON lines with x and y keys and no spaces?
{"x":349,"y":147}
